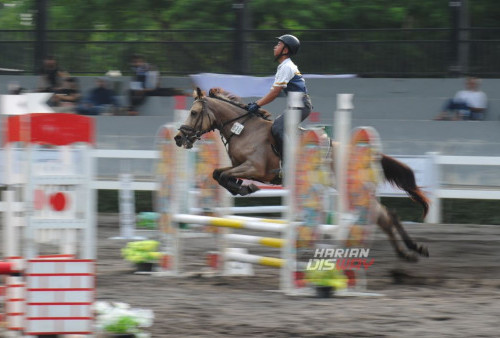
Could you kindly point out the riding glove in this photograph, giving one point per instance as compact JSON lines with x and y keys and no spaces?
{"x":252,"y":107}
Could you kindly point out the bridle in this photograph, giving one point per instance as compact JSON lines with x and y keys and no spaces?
{"x":192,"y":134}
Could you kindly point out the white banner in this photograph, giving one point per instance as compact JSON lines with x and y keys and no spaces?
{"x":25,"y":103}
{"x":246,"y":86}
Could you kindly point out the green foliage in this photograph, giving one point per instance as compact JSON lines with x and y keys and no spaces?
{"x":157,"y":29}
{"x":276,"y":14}
{"x":124,"y":324}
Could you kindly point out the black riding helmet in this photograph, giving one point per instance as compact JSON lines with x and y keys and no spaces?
{"x":291,"y":42}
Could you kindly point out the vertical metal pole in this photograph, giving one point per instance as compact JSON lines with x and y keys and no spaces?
{"x":40,"y":34}
{"x":180,"y":186}
{"x":342,"y":120}
{"x":434,"y":216}
{"x":91,"y":207}
{"x":455,"y":6}
{"x":288,"y":251}
{"x":463,"y":37}
{"x":241,"y":25}
{"x":10,"y":232}
{"x":29,"y":242}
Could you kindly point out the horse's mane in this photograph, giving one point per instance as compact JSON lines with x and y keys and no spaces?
{"x":223,"y":94}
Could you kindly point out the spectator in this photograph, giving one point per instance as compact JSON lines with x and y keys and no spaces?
{"x":50,"y":75}
{"x":99,"y":101}
{"x":67,"y":97}
{"x":467,"y":104}
{"x":145,"y":82}
{"x":14,"y":88}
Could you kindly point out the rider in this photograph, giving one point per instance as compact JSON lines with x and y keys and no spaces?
{"x":287,"y":78}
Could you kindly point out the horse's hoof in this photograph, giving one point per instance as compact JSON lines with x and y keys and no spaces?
{"x":216,"y":174}
{"x":248,"y":189}
{"x":252,"y":188}
{"x":423,"y":251}
{"x":409,"y":257}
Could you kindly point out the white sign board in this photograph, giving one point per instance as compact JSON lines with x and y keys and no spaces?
{"x":25,"y":103}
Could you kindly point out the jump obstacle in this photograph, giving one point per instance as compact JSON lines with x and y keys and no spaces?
{"x":174,"y":183}
{"x":48,"y":201}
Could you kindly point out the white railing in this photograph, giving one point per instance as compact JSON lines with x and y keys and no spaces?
{"x":129,"y":155}
{"x":438,"y":192}
{"x":428,"y":169}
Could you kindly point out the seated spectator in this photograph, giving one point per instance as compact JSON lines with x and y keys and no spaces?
{"x":144,"y":83}
{"x":51,"y":76}
{"x":468,"y":104}
{"x":14,"y":88}
{"x":66,"y":98}
{"x":99,"y":101}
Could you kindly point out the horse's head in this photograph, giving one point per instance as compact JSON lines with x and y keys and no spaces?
{"x":199,"y":122}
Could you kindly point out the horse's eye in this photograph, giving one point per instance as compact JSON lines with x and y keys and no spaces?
{"x":193,"y":113}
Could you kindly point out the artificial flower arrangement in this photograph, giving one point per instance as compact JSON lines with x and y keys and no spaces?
{"x":119,"y":319}
{"x":326,"y":280}
{"x":140,"y":252}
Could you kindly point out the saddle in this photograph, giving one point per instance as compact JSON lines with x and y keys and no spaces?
{"x":278,"y":150}
{"x":278,"y":140}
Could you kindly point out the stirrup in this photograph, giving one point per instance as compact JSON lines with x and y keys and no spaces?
{"x":275,"y":150}
{"x":278,"y":178}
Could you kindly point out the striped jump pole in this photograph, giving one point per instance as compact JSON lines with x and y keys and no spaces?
{"x":254,"y":259}
{"x":228,"y":223}
{"x":266,"y":209}
{"x":325,"y":228}
{"x":265,"y":241}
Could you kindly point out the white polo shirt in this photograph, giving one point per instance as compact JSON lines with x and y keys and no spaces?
{"x":473,"y":99}
{"x":288,"y":76}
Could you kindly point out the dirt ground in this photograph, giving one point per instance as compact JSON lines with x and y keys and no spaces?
{"x":454,"y":293}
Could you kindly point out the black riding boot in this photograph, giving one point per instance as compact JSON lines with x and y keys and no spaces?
{"x":278,"y":139}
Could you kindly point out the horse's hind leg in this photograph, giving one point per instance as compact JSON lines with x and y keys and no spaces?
{"x":385,"y":222}
{"x":232,"y":184}
{"x":410,"y":243}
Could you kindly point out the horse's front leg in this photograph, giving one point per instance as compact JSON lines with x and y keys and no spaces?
{"x":229,"y":183}
{"x":217,"y":172}
{"x":233,"y":176}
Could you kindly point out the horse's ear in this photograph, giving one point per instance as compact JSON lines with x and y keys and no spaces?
{"x":215,"y":91}
{"x":198,"y":93}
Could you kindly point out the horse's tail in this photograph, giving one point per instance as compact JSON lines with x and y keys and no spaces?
{"x":402,"y":176}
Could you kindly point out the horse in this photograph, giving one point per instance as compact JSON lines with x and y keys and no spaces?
{"x":252,"y":155}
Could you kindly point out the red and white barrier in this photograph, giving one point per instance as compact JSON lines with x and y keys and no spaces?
{"x":59,"y":296}
{"x":49,"y":199}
